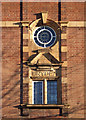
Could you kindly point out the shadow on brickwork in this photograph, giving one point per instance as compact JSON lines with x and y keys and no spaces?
{"x":76,"y":109}
{"x":10,"y":90}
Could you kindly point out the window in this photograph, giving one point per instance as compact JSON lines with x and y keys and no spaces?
{"x":44,"y":36}
{"x":52,"y":92}
{"x":38,"y":92}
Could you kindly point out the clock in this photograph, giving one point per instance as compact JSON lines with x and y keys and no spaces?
{"x":44,"y":36}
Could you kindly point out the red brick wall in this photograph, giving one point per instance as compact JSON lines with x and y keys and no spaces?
{"x":75,"y":71}
{"x":11,"y":55}
{"x":31,"y":8}
{"x":72,"y":11}
{"x":11,"y":11}
{"x":10,"y":71}
{"x":85,"y":63}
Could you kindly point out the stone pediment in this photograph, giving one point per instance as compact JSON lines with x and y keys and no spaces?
{"x":43,"y":58}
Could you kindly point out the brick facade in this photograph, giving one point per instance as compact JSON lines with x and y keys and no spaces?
{"x":72,"y":46}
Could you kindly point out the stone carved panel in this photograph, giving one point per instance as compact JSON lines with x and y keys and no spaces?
{"x":43,"y":73}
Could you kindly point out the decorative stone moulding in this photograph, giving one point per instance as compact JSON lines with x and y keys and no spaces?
{"x":44,"y":32}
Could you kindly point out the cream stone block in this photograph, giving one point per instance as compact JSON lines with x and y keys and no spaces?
{"x":55,"y":51}
{"x":34,"y":61}
{"x":9,"y":24}
{"x":13,"y":23}
{"x":25,"y":23}
{"x":64,"y":64}
{"x":44,"y":17}
{"x":25,"y":36}
{"x":25,"y":49}
{"x":63,"y":23}
{"x":2,"y":23}
{"x":30,"y":91}
{"x":76,"y":24}
{"x":25,"y":80}
{"x":64,"y":49}
{"x":85,"y":23}
{"x":63,"y":36}
{"x":33,"y":25}
{"x":64,"y":79}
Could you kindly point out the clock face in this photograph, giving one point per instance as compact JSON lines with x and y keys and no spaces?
{"x":44,"y":36}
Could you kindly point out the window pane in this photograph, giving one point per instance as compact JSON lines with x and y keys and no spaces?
{"x":52,"y":92}
{"x":38,"y":93}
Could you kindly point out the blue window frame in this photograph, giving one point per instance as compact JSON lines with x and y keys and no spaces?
{"x":52,"y":92}
{"x":37,"y":92}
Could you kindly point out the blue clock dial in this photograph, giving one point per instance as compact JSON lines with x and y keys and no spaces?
{"x":44,"y":36}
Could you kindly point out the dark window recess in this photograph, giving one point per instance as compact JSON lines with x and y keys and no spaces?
{"x":38,"y":92}
{"x":52,"y":92}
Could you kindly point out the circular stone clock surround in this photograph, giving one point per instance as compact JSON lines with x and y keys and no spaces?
{"x":44,"y":36}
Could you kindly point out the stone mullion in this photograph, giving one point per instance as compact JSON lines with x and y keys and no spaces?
{"x":45,"y":91}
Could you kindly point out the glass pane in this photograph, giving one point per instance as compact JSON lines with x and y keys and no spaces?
{"x":52,"y":92}
{"x":38,"y":93}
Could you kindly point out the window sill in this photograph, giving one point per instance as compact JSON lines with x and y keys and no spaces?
{"x":43,"y":106}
